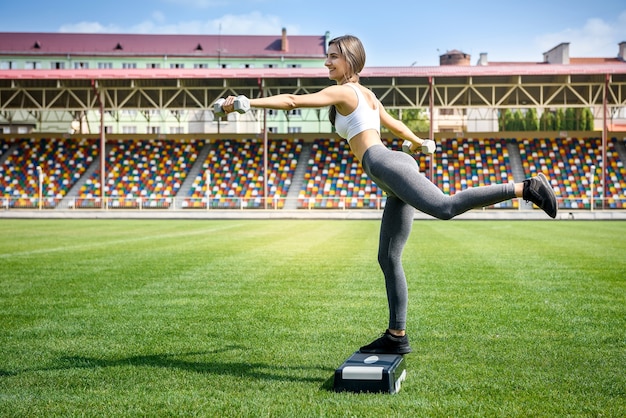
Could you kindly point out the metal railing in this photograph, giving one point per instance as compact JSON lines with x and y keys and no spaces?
{"x":256,"y":203}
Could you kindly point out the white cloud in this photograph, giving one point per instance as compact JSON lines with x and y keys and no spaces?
{"x":89,"y":27}
{"x":198,"y":4}
{"x":158,"y":16}
{"x":253,"y":23}
{"x":147,"y":26}
{"x":596,"y":38}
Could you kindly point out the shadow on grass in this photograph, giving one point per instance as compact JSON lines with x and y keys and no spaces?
{"x":7,"y":373}
{"x":258,"y":371}
{"x":252,"y":370}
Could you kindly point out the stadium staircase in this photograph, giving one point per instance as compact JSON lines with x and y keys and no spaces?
{"x":620,"y":147}
{"x":298,"y":177}
{"x":185,"y":188}
{"x":73,"y":192}
{"x":515,"y":159}
{"x":4,"y":154}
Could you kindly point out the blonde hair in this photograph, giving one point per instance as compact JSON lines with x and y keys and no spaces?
{"x":352,"y":50}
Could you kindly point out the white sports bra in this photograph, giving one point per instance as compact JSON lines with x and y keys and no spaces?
{"x":362,"y":118}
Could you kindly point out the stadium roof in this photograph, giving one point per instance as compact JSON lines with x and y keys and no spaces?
{"x":541,"y":85}
{"x":540,"y":69}
{"x":137,"y":45}
{"x":580,"y":83}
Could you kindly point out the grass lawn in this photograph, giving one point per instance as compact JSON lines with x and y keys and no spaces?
{"x":251,"y":318}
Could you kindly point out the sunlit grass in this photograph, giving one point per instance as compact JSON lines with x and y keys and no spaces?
{"x":250,"y":318}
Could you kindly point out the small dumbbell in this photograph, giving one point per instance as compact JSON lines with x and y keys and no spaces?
{"x":241,"y":104}
{"x":428,"y":146}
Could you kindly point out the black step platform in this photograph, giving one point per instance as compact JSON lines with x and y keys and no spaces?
{"x":363,"y":372}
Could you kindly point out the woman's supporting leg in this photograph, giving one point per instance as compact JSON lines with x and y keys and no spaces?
{"x":395,"y":229}
{"x":394,"y":233}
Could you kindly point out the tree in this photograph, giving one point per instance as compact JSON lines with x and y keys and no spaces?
{"x":587,"y":117}
{"x":570,"y":119}
{"x":546,"y":122}
{"x":559,"y":123}
{"x":551,"y":121}
{"x":504,"y":120}
{"x":532,"y":124}
{"x":578,"y":123}
{"x":414,"y":119}
{"x":518,"y":121}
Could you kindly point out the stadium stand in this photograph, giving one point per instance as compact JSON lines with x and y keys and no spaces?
{"x":142,"y":173}
{"x":236,"y":174}
{"x":468,"y":162}
{"x":335,"y":179}
{"x":63,"y":162}
{"x":616,"y":182}
{"x":148,"y":173}
{"x":568,"y":162}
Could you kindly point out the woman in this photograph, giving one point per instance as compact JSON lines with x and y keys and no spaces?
{"x":357,"y":115}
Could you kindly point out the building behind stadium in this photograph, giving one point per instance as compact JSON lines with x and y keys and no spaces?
{"x":198,"y":53}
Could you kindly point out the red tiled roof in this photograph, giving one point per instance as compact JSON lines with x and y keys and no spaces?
{"x":93,"y":44}
{"x":373,"y":72}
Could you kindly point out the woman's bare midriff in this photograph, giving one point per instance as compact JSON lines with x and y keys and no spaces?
{"x":362,"y":141}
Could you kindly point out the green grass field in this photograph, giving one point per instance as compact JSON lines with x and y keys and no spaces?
{"x":251,"y":318}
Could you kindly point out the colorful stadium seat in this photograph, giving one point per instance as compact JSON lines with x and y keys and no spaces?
{"x":151,"y":172}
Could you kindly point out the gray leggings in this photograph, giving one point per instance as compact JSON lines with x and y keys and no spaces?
{"x":398,"y":175}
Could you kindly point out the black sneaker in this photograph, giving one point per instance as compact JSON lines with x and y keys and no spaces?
{"x":539,"y":191}
{"x":388,"y":344}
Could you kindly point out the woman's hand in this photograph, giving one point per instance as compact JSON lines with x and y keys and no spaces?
{"x":229,"y":104}
{"x":425,"y":146}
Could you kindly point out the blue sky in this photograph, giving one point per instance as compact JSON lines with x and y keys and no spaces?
{"x":395,"y":33}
